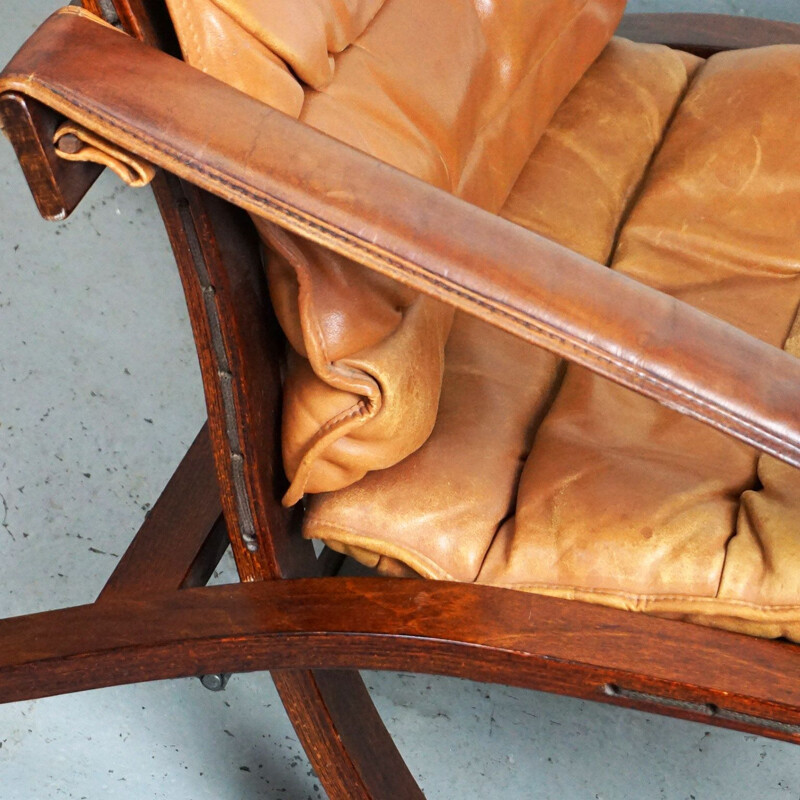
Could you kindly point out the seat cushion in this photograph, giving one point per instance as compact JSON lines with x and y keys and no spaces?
{"x":439,"y":509}
{"x":622,"y":501}
{"x":456,"y":93}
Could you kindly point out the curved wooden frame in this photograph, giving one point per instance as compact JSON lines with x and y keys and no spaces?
{"x":477,"y":632}
{"x":230,"y":482}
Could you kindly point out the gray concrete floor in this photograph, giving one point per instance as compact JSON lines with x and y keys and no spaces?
{"x":99,"y":397}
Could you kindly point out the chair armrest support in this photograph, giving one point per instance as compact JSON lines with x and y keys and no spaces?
{"x":162,"y":110}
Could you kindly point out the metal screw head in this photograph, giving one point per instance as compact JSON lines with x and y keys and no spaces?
{"x":215,"y":683}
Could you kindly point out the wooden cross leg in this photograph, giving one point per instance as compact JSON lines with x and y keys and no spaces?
{"x":130,"y":634}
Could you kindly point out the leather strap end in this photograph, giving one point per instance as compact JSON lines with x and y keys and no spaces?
{"x":76,"y":143}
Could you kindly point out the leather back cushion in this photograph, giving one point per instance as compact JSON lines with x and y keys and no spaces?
{"x":457,"y":93}
{"x":270,"y":49}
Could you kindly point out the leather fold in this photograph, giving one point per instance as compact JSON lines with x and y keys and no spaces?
{"x":456,"y":94}
{"x":303,"y":33}
{"x":76,"y":143}
{"x":355,"y":401}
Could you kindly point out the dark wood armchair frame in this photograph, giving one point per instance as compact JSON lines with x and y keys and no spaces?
{"x":156,"y":619}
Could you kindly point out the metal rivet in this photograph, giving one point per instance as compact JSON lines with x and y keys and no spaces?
{"x":215,"y":683}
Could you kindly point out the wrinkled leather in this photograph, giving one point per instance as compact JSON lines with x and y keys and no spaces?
{"x":459,"y":93}
{"x":136,"y":172}
{"x":146,"y":128}
{"x":590,"y":161}
{"x":478,"y":262}
{"x":303,"y":33}
{"x":456,"y":94}
{"x":439,"y":509}
{"x":209,"y":37}
{"x":761,"y":564}
{"x":270,"y":48}
{"x":625,"y":502}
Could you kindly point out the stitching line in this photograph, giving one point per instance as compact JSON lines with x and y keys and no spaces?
{"x":758,"y":436}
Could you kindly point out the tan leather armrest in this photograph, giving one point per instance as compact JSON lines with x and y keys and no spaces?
{"x":202,"y":130}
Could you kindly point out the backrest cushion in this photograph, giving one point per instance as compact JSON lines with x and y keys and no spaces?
{"x":455,"y":92}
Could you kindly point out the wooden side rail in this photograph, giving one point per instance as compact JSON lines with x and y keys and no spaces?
{"x":301,"y":179}
{"x":478,"y":632}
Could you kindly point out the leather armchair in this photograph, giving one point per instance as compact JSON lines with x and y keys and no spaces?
{"x":542,"y":293}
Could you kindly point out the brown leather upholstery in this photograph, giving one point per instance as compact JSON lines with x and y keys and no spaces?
{"x":440,"y":508}
{"x":762,"y":558}
{"x":625,"y":501}
{"x":457,"y":94}
{"x":267,"y":48}
{"x":621,"y":501}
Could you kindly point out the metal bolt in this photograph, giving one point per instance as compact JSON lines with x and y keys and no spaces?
{"x":70,"y":143}
{"x":215,"y":683}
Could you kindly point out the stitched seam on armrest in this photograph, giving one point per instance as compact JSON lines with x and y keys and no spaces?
{"x":356,"y":246}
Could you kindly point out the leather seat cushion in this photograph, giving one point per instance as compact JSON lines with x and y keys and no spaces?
{"x":456,"y":93}
{"x":440,"y":508}
{"x":628,"y":503}
{"x":621,"y":501}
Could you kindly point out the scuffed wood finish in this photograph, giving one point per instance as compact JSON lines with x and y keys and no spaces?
{"x":478,"y":632}
{"x":241,"y":349}
{"x":706,"y":34}
{"x":359,"y":762}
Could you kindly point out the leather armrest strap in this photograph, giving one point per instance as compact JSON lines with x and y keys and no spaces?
{"x":178,"y":118}
{"x":75,"y":143}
